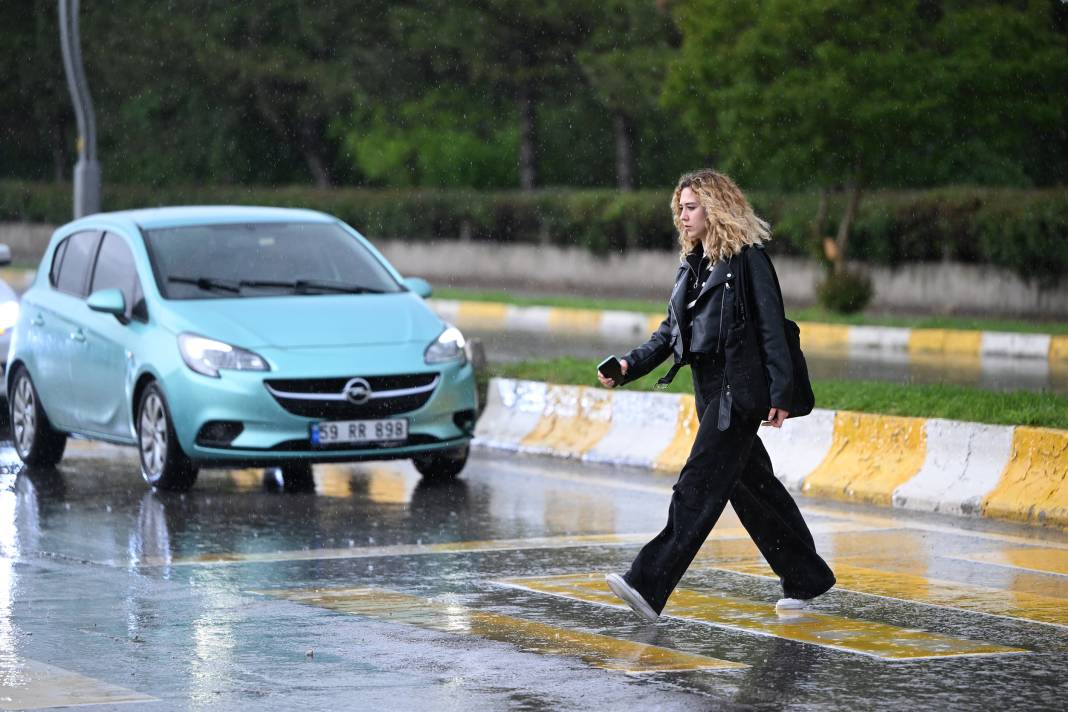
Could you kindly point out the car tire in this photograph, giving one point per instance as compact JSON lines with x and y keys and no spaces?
{"x":37,"y":443}
{"x":163,"y":464}
{"x":443,"y":464}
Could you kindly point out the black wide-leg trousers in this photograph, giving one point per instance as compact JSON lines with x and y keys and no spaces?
{"x":729,"y":465}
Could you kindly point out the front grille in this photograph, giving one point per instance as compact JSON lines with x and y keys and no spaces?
{"x":324,"y":398}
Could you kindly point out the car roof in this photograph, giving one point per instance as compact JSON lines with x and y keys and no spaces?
{"x":151,"y":218}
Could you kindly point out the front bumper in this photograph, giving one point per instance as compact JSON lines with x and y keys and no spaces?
{"x":271,"y":434}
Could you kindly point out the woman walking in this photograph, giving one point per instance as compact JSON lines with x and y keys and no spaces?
{"x":721,"y":238}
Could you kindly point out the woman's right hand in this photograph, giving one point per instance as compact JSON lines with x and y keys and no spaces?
{"x":608,"y":382}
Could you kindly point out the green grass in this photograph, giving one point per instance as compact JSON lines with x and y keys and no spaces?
{"x":926,"y":401}
{"x":816,"y":314}
{"x":638,"y":305}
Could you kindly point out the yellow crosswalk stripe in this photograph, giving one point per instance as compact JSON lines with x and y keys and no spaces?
{"x":851,"y":635}
{"x":30,"y":684}
{"x":598,"y":650}
{"x":1040,"y":559}
{"x":1022,"y":605}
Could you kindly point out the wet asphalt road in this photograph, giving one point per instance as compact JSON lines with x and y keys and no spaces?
{"x":380,"y":591}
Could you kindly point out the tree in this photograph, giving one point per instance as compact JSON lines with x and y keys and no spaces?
{"x":36,"y":120}
{"x":625,"y":61}
{"x":523,"y":50}
{"x":857,"y":94}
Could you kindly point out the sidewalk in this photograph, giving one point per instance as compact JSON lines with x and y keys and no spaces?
{"x":927,"y":464}
{"x":814,"y":336}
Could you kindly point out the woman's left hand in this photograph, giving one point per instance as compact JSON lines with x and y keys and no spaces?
{"x":775,"y":417}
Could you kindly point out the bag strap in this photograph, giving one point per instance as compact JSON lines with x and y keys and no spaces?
{"x":743,"y":285}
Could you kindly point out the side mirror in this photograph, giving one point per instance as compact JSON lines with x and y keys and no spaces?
{"x":5,"y":255}
{"x":108,"y":301}
{"x":419,"y":285}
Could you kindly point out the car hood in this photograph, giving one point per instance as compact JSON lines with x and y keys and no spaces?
{"x":306,"y":321}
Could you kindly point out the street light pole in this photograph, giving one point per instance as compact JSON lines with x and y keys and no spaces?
{"x":87,"y":169}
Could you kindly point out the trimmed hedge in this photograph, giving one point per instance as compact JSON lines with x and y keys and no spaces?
{"x":1023,"y":230}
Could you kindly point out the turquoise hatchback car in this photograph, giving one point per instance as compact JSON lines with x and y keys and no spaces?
{"x":234,"y":337}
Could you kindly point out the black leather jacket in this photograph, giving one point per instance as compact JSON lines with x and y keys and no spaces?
{"x":718,"y":308}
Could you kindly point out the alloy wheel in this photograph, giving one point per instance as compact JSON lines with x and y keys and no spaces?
{"x":153,"y":432}
{"x":24,"y":415}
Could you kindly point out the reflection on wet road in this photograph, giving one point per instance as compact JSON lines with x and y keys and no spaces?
{"x":991,"y":373}
{"x":379,"y":589}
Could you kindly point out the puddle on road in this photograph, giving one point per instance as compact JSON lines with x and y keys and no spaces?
{"x":600,"y":651}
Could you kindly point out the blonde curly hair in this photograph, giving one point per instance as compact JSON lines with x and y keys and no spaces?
{"x":730,"y":223}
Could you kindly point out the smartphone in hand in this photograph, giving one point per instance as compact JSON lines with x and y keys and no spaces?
{"x":610,"y":368}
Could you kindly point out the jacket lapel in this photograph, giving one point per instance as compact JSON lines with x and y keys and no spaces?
{"x":722,"y":272}
{"x":678,"y":295}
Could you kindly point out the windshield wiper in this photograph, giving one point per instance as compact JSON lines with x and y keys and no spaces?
{"x":209,"y":284}
{"x":303,"y":285}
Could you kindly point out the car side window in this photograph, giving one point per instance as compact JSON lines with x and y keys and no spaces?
{"x":57,"y":260}
{"x":115,"y":269}
{"x":77,"y":259}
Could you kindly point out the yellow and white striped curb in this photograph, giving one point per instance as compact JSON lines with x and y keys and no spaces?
{"x":1007,"y":472}
{"x":917,"y":343}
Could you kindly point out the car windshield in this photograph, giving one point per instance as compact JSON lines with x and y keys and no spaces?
{"x":263,"y":259}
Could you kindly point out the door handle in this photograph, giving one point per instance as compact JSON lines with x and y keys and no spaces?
{"x":37,"y":320}
{"x":78,"y":335}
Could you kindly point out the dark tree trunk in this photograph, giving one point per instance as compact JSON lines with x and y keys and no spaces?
{"x":317,"y":167}
{"x":528,"y":163}
{"x":624,"y":150}
{"x":311,"y":149}
{"x":852,"y":189}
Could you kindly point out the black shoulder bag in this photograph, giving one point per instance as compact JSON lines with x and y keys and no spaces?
{"x":752,"y":396}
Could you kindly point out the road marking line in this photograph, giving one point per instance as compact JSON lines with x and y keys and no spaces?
{"x":1041,"y":560}
{"x":356,"y":552}
{"x":911,"y":588}
{"x":28,"y":684}
{"x":877,"y":521}
{"x":598,"y":650}
{"x":879,"y":640}
{"x":456,"y":547}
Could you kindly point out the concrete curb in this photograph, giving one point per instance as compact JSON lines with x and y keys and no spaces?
{"x":928,"y":464}
{"x":917,"y":343}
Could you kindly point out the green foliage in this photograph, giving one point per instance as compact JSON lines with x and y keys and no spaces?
{"x":846,"y":292}
{"x":800,"y":94}
{"x":425,"y":93}
{"x":1025,"y":231}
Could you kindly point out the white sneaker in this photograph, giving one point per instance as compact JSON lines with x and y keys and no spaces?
{"x":793,"y":604}
{"x":632,"y":598}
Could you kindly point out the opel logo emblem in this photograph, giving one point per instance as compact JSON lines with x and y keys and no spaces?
{"x":357,"y":391}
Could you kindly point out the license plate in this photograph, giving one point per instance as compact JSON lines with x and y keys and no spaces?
{"x":359,"y":431}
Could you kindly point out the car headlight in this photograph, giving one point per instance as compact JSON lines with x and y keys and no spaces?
{"x":9,"y":314}
{"x":449,"y":346}
{"x":208,"y":356}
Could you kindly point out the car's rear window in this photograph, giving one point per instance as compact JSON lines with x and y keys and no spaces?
{"x":263,"y":259}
